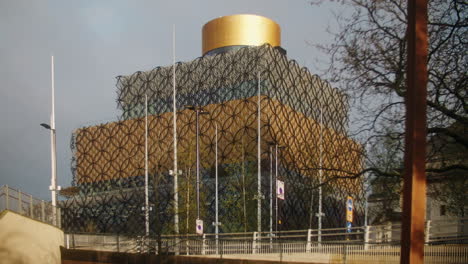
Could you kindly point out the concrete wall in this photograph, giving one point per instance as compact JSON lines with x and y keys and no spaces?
{"x":76,"y":256}
{"x":24,"y":240}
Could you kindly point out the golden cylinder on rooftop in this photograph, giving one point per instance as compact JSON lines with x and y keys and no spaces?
{"x":240,"y":30}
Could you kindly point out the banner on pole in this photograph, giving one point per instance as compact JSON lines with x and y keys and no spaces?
{"x":280,"y":189}
{"x":349,"y":209}
{"x":199,"y":226}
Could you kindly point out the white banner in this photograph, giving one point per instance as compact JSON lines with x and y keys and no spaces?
{"x":199,"y":226}
{"x":280,"y":189}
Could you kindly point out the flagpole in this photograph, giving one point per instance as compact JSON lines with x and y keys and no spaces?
{"x":259,"y":187}
{"x":216,"y":183}
{"x":271,"y":194}
{"x":176,"y":171}
{"x":319,"y":215}
{"x":366,"y":204}
{"x":276,"y":187}
{"x":146,"y":169}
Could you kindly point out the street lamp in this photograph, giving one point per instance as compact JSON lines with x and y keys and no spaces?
{"x":53,"y":179}
{"x":198,"y":111}
{"x":46,"y":126}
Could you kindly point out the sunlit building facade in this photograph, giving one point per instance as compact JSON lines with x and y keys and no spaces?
{"x":249,"y":90}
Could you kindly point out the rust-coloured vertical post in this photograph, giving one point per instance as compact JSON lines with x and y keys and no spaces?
{"x":414,"y":192}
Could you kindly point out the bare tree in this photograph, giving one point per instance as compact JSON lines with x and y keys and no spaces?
{"x":368,"y":61}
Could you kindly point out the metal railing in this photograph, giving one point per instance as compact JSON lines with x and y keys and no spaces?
{"x":437,"y":232}
{"x":27,"y":205}
{"x":362,"y":244}
{"x":237,"y":246}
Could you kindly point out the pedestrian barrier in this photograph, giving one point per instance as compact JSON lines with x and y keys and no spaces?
{"x":289,"y":245}
{"x":27,"y":205}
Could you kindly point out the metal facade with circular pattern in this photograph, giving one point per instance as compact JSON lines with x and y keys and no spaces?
{"x":299,"y":112}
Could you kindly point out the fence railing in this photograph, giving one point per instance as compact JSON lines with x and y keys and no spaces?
{"x":439,"y":231}
{"x":235,"y":246}
{"x":27,"y":205}
{"x":446,"y":242}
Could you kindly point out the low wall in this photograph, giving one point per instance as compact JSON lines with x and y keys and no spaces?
{"x":24,"y":240}
{"x":77,"y":256}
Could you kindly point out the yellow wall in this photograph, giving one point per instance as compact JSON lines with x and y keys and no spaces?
{"x":116,"y":150}
{"x":24,"y":240}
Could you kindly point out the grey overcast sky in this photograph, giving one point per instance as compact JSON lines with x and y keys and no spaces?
{"x":93,"y":41}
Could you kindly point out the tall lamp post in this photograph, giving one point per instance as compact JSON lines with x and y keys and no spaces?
{"x":216,"y":191}
{"x":176,"y":171}
{"x":271,"y":192}
{"x":259,"y":161}
{"x":146,"y":170}
{"x":198,"y":111}
{"x":320,"y":213}
{"x":53,"y":179}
